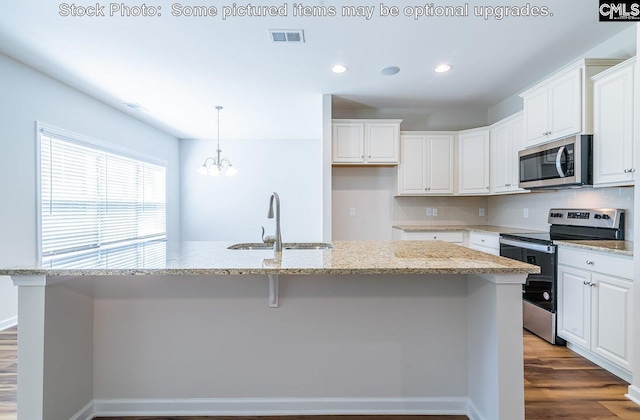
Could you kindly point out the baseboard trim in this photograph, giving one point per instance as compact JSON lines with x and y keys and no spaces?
{"x":634,"y":394}
{"x":277,"y":407}
{"x":602,"y":362}
{"x":86,"y":413}
{"x":474,"y":413}
{"x":8,"y":323}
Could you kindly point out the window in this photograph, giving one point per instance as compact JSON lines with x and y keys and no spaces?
{"x":98,"y":205}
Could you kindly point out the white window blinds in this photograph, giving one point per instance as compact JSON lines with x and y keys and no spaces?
{"x":93,"y":199}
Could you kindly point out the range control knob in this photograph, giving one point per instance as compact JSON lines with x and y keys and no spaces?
{"x":606,"y":216}
{"x":598,"y":216}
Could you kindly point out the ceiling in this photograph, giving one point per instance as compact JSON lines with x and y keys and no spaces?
{"x":180,"y":68}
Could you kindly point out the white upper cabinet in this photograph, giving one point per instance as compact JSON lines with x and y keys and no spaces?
{"x":505,"y":142}
{"x":562,"y":104}
{"x":366,"y":142}
{"x":473,"y":162}
{"x":613,"y":162}
{"x":426,"y":164}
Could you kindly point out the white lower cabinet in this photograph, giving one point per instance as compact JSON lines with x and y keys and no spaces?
{"x":595,"y":292}
{"x":485,"y":242}
{"x":455,"y":237}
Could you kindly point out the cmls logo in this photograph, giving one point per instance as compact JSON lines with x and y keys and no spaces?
{"x":619,"y":10}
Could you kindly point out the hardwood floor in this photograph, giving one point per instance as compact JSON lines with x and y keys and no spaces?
{"x":559,"y":384}
{"x":8,"y":373}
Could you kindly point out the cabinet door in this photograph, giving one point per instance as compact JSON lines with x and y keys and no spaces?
{"x":613,"y":128}
{"x":535,"y":117}
{"x":565,"y":105}
{"x":506,"y":141}
{"x":440,"y":164}
{"x":501,"y":158}
{"x":473,"y":162}
{"x":574,"y":305}
{"x":412,"y":169}
{"x":612,"y":336}
{"x":348,"y":143}
{"x":382,"y":142}
{"x":517,"y":144}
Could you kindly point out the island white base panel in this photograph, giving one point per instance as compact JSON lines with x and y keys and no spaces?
{"x":194,"y":345}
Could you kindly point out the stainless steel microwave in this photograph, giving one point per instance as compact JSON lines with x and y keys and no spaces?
{"x":567,"y":162}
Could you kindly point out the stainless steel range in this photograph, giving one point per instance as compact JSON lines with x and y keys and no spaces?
{"x":540,"y":290}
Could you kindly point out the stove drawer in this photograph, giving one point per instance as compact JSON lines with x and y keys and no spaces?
{"x":606,"y":263}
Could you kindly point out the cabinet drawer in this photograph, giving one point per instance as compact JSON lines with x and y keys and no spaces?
{"x":484,"y":240}
{"x":454,"y":237}
{"x":611,"y":264}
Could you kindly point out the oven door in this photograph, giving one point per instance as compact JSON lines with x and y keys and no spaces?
{"x":540,"y":289}
{"x":539,"y":292}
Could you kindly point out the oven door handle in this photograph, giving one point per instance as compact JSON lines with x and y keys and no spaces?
{"x":547,"y":249}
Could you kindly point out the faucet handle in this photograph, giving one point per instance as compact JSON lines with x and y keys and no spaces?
{"x":269,"y":239}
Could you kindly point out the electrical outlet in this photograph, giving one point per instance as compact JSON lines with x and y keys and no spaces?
{"x":435,"y":211}
{"x":481,"y":212}
{"x":352,"y":212}
{"x":525,"y":213}
{"x":429,"y":211}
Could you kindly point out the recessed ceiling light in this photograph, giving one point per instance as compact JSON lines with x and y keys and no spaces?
{"x":390,"y":71}
{"x":443,"y":68}
{"x":339,"y":68}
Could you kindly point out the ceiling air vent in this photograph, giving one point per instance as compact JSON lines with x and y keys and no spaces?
{"x":288,"y":36}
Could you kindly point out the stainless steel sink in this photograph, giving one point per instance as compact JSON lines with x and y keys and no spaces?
{"x":301,"y":245}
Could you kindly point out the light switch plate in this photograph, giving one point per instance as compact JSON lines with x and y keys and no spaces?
{"x":481,"y":212}
{"x":352,"y":212}
{"x":435,"y":211}
{"x":429,"y":211}
{"x":525,"y":213}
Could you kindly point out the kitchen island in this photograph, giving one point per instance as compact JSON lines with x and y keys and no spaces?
{"x":363,"y":328}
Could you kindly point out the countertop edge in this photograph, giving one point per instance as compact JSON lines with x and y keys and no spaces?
{"x":597,"y":248}
{"x":263,"y":272}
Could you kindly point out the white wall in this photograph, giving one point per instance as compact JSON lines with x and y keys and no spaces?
{"x":418,"y":119}
{"x":234,"y":208}
{"x":27,"y":96}
{"x":508,"y":210}
{"x":370,"y":191}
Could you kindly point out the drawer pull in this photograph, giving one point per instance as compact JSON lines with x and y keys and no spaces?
{"x":589,"y":262}
{"x":481,"y":240}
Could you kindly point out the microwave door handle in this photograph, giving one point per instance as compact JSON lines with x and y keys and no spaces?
{"x":559,"y":162}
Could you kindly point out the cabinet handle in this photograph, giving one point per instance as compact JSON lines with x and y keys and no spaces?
{"x":632,"y":170}
{"x":589,"y":262}
{"x":362,"y":156}
{"x":586,"y":283}
{"x":427,"y":189}
{"x":629,"y":171}
{"x":481,"y":240}
{"x":369,"y":156}
{"x":592,"y":284}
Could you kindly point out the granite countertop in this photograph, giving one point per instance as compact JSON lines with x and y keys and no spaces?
{"x":469,"y":228}
{"x":614,"y":247}
{"x":346,"y":257}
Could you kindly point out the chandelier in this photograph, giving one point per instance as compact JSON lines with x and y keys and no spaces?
{"x":216,"y":166}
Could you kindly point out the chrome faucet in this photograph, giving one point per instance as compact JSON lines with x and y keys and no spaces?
{"x":277,"y":238}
